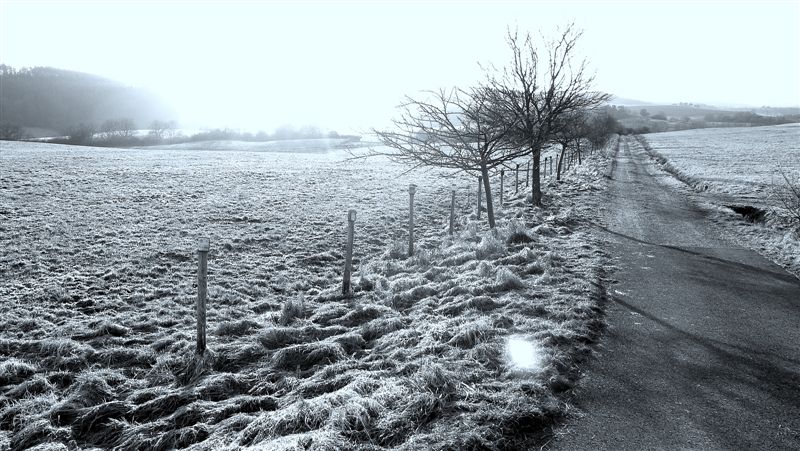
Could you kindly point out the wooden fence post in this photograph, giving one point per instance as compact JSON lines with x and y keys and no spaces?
{"x":528,"y":174}
{"x":411,"y":190}
{"x":516,"y":181}
{"x":348,"y":253}
{"x":502,"y":177}
{"x":452,"y":211}
{"x":480,"y":186}
{"x":202,"y":285}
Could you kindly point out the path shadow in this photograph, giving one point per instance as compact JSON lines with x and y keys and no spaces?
{"x":783,"y":276}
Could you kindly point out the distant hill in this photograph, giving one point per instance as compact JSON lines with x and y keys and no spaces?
{"x":45,"y":100}
{"x":698,"y":110}
{"x":615,"y":100}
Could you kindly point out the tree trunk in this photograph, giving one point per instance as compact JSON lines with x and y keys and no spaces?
{"x":487,"y":189}
{"x":579,"y":152}
{"x":536,"y":181}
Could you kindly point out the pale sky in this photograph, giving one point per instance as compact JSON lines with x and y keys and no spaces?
{"x":345,"y":65}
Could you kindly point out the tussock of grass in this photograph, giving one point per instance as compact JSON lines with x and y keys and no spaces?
{"x":468,"y":335}
{"x":350,"y":342}
{"x":89,"y":389}
{"x":241,"y":404}
{"x":220,"y":386}
{"x":360,"y":315}
{"x":301,"y":416}
{"x":279,"y":337}
{"x":38,"y":432}
{"x":112,"y":329}
{"x":490,"y":246}
{"x":506,"y":280}
{"x":307,"y":355}
{"x":13,"y":371}
{"x":483,"y":303}
{"x":163,"y":405}
{"x":293,"y":308}
{"x":406,"y":299}
{"x":37,"y":385}
{"x":380,"y":327}
{"x":329,"y":311}
{"x":95,"y":424}
{"x":126,"y":357}
{"x":235,"y":328}
{"x":356,"y":418}
{"x":50,"y":447}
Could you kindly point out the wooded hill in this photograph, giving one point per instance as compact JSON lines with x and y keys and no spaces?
{"x":45,"y":100}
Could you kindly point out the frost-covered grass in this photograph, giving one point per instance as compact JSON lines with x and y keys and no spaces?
{"x":740,"y":167}
{"x":467,"y":344}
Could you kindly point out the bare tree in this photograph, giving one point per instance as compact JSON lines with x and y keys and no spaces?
{"x":11,"y":132}
{"x":117,"y":131}
{"x":600,"y":128}
{"x":456,"y":129}
{"x":536,"y":99}
{"x":161,"y":130}
{"x":81,"y":134}
{"x":569,"y":135}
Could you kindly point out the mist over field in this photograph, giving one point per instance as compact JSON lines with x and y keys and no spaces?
{"x":360,"y":225}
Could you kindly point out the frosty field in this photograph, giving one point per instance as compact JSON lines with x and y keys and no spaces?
{"x":742,"y":162}
{"x":467,"y":344}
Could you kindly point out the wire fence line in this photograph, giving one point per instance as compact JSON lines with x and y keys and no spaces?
{"x":455,"y":206}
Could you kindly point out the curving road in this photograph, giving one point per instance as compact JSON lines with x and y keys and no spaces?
{"x":703,"y":345}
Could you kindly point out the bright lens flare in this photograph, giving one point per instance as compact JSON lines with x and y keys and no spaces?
{"x":523,"y":354}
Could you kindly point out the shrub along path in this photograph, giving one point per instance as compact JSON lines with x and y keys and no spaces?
{"x":702,"y":347}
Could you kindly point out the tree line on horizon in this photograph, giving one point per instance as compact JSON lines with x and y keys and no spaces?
{"x":664,"y":118}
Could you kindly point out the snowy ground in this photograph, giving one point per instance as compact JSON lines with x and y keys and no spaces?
{"x":739,"y":167}
{"x":469,"y":343}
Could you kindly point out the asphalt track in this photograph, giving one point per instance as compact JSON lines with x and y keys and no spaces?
{"x":703,"y":345}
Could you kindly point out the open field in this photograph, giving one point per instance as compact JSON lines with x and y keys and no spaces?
{"x":740,"y":167}
{"x":468,"y":344}
{"x":741,"y":162}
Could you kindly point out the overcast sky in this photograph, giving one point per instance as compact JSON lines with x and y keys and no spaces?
{"x":345,"y":64}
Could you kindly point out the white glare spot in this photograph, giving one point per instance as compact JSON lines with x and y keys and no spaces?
{"x":524,"y":354}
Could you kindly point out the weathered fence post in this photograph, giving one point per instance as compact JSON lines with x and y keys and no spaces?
{"x":516,"y":181}
{"x":480,"y":186}
{"x":452,"y":211}
{"x":348,"y":253}
{"x":502,"y":177}
{"x":551,"y":164}
{"x":202,"y":285}
{"x":411,"y":190}
{"x":528,"y":174}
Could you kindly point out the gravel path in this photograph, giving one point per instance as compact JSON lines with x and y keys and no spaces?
{"x":703,"y":345}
